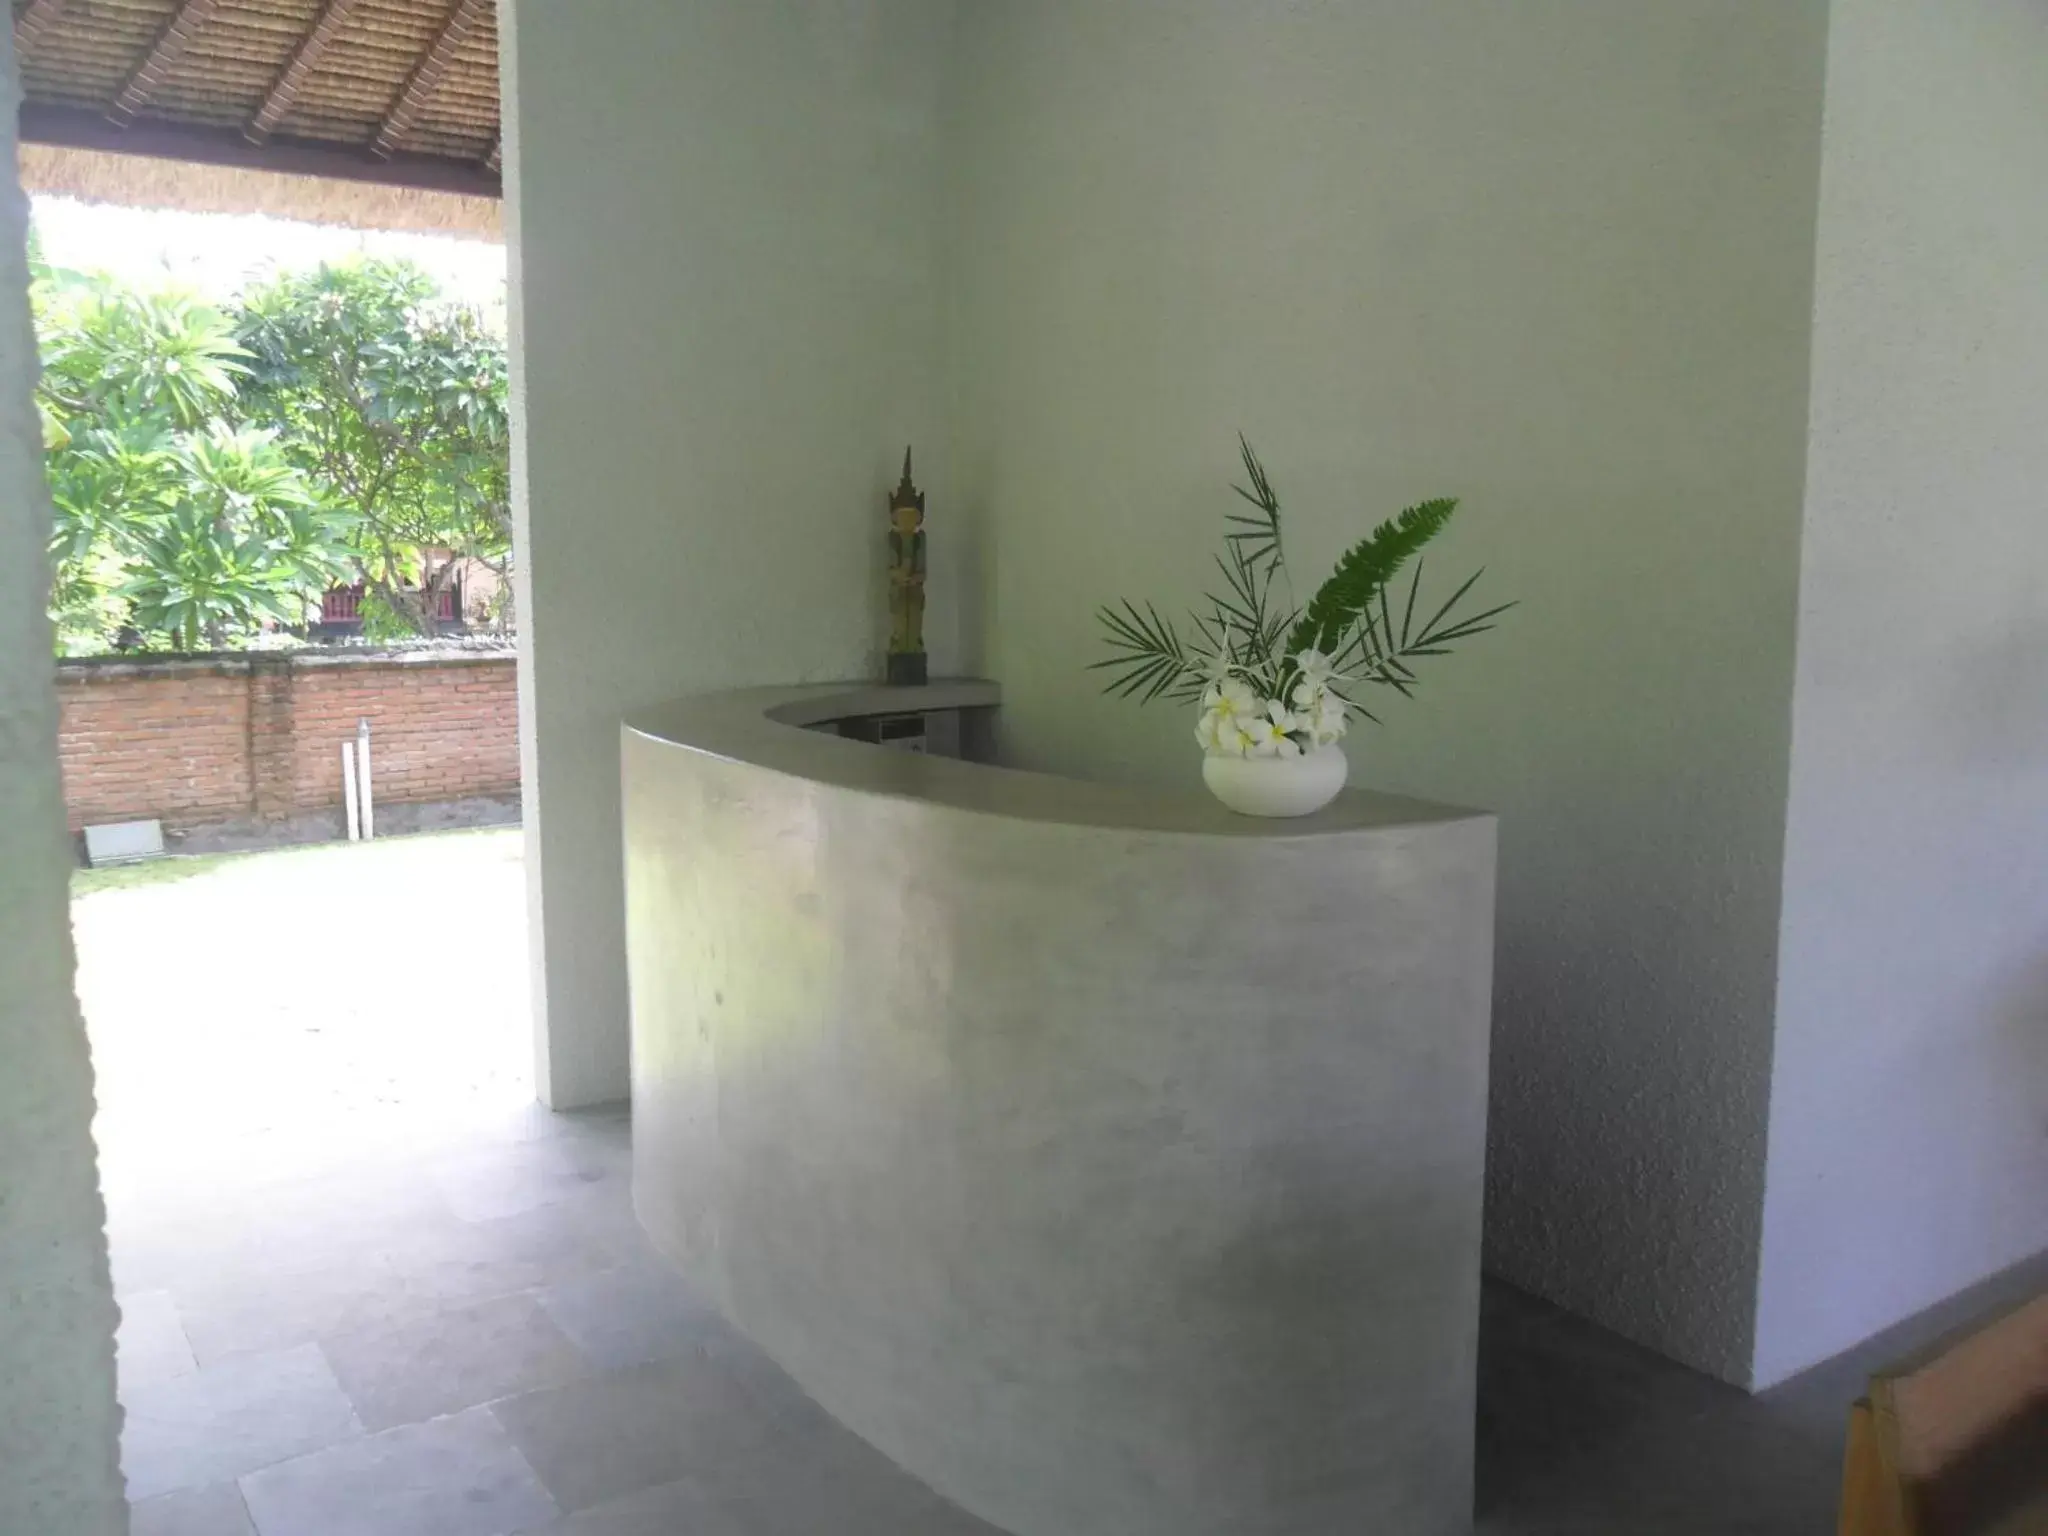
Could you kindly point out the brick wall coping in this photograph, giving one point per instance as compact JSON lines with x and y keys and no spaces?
{"x":93,"y":669}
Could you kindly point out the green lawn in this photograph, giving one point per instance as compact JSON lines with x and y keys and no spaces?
{"x":178,"y":866}
{"x":183,"y":866}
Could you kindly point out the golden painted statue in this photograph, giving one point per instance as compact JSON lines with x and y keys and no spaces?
{"x":906,"y":581}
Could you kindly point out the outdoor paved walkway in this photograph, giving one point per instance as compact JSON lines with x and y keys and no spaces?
{"x":369,"y":1290}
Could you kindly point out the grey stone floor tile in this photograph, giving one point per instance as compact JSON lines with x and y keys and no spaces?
{"x":604,"y":1213}
{"x":629,"y":1315}
{"x":221,"y":1421}
{"x":467,"y":1261}
{"x":670,"y":1509}
{"x":1729,"y":1473}
{"x":1553,"y":1387}
{"x":247,"y":1309}
{"x":488,"y":1183}
{"x":296,"y":1227}
{"x":459,"y":1357}
{"x":793,"y":1501}
{"x":457,"y":1476}
{"x":818,"y":1475}
{"x":534,"y":1121}
{"x":150,"y":1344}
{"x":214,"y":1511}
{"x":598,"y":1140}
{"x":623,"y":1431}
{"x":791,"y":1408}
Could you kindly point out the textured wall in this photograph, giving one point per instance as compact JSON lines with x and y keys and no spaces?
{"x":1909,"y":1123}
{"x":58,"y":1422}
{"x":200,"y":744}
{"x":1554,"y":258}
{"x":725,"y":320}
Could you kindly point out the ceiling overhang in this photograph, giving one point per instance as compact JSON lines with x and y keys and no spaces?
{"x":401,"y":93}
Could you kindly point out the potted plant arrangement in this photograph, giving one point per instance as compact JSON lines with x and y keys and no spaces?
{"x":1275,"y":682}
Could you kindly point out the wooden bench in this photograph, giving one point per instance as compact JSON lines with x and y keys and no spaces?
{"x":1954,"y":1441}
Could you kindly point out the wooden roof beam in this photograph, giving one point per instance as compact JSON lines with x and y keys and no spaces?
{"x":426,"y":77}
{"x":170,"y":44}
{"x":292,"y":78}
{"x":33,"y":22}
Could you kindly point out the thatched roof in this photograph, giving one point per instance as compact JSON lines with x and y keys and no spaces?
{"x":398,"y":92}
{"x":146,"y":181}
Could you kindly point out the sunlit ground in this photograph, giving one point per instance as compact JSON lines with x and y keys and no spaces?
{"x":279,"y":1016}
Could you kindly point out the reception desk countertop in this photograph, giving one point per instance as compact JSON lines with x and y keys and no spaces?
{"x":753,"y":726}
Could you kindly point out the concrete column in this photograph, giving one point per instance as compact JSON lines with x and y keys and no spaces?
{"x":59,"y":1470}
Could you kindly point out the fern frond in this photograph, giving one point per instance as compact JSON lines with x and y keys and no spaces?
{"x":1362,"y":575}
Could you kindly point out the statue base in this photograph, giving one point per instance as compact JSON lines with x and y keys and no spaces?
{"x":906,"y":668}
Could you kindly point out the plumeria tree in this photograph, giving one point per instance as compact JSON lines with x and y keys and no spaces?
{"x":1273,"y":679}
{"x":239,"y":537}
{"x":214,"y":470}
{"x":168,"y":521}
{"x":394,"y":401}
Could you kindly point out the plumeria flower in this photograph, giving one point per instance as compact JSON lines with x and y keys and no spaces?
{"x":1327,"y":719}
{"x":1317,"y":673}
{"x":1230,"y":710}
{"x":1272,"y":734}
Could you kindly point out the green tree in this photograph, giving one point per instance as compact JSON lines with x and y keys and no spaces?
{"x":239,"y":538}
{"x":393,"y":400}
{"x":167,"y":519}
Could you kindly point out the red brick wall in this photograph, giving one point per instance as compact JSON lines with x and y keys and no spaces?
{"x":203,"y":742}
{"x":140,"y":746}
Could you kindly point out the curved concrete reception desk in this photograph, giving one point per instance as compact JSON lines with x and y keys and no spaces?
{"x":1111,"y":1162}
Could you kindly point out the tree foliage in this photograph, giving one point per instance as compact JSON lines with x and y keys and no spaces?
{"x":216,"y":469}
{"x":238,"y":539}
{"x":395,"y":401}
{"x":167,"y":521}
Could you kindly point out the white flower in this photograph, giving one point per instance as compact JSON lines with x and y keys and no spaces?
{"x":1230,"y":710}
{"x":1271,"y":733}
{"x":1316,"y":704}
{"x":1326,"y":720}
{"x":1315,"y":667}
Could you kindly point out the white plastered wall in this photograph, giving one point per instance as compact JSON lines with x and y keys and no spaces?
{"x":1558,"y":259}
{"x":724,"y":300}
{"x":1909,"y":1114}
{"x":1554,"y":259}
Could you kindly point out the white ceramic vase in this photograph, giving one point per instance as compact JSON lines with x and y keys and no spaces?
{"x":1277,"y":786}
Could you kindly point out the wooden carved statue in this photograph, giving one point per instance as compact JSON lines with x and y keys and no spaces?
{"x":906,"y":581}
